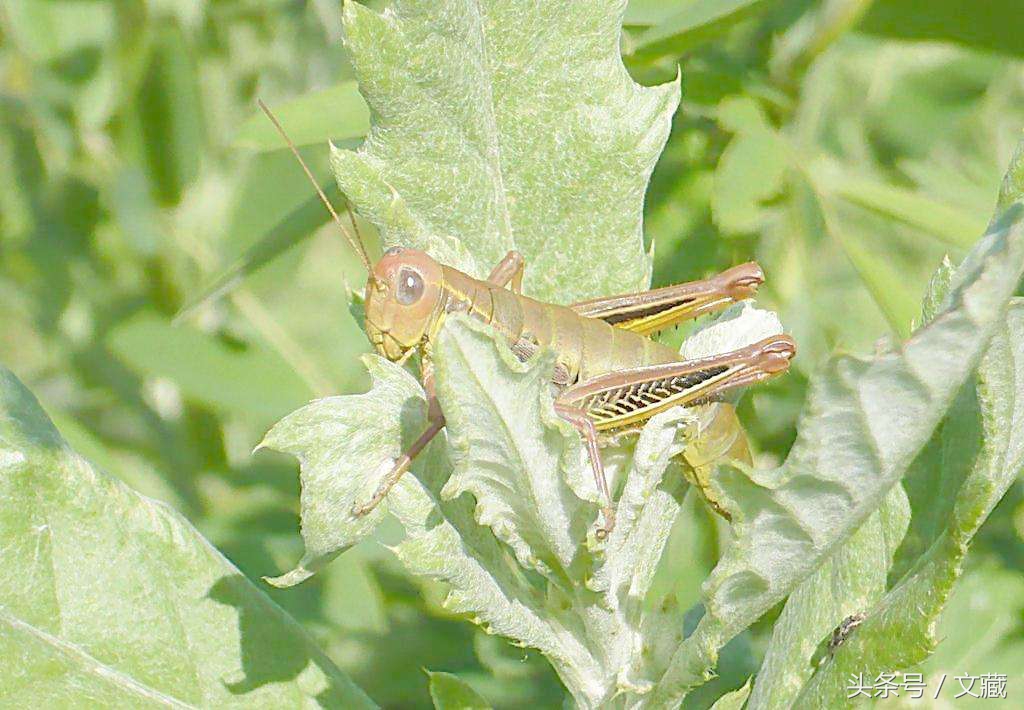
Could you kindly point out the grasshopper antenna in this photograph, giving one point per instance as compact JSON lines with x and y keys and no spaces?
{"x":357,"y":241}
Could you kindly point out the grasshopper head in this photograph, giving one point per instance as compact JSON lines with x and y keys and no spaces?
{"x":401,"y":300}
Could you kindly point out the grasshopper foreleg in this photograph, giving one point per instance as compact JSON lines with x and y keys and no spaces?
{"x":399,"y":468}
{"x":509,"y":271}
{"x":435,"y":423}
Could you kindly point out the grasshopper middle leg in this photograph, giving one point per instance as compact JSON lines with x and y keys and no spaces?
{"x":509,"y":271}
{"x":578,"y":418}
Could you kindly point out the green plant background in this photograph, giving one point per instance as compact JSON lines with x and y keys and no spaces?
{"x":846,"y":145}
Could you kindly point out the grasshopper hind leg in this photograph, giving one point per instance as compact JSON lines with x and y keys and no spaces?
{"x":631,"y":396}
{"x":579,"y":419}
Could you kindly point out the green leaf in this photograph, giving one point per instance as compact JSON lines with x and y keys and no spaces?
{"x":735,"y":700}
{"x":335,"y":113}
{"x":345,"y":445}
{"x":507,"y":125}
{"x":958,"y":21}
{"x":885,"y":283}
{"x":751,"y":170}
{"x":169,"y":115}
{"x":110,"y":599}
{"x":967,"y":487}
{"x":946,"y":223}
{"x":272,"y":186}
{"x":251,"y":382}
{"x":847,"y":583}
{"x":46,"y":30}
{"x":449,"y":692}
{"x":300,"y":224}
{"x":698,"y":22}
{"x":647,"y":12}
{"x":514,"y":453}
{"x":494,"y":425}
{"x":978,"y":628}
{"x":866,"y":420}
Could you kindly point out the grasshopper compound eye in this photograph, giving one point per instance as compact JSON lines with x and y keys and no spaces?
{"x":410,"y":287}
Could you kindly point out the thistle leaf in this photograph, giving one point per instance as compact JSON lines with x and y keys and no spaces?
{"x":510,"y":450}
{"x":110,"y":599}
{"x":865,"y":422}
{"x":910,"y":612}
{"x":531,"y":494}
{"x":345,"y":445}
{"x":504,"y":125}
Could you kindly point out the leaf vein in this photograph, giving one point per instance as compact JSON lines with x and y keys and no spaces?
{"x":91,"y":663}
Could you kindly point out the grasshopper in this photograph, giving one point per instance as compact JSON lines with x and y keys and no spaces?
{"x":610,"y":377}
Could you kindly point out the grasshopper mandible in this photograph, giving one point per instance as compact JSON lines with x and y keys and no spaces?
{"x":609,"y":379}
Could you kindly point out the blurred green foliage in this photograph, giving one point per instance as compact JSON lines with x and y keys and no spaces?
{"x":847,"y":145}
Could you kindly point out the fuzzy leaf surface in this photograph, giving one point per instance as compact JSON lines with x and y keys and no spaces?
{"x":109,"y":599}
{"x":344,"y":445}
{"x":531,"y":485}
{"x":865,"y":421}
{"x":503,"y":125}
{"x":848,"y":583}
{"x":509,"y":449}
{"x":994,"y":403}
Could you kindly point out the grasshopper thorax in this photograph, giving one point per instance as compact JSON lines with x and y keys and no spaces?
{"x":402,"y":298}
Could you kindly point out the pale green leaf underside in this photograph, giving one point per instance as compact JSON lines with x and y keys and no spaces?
{"x":345,"y":444}
{"x":511,"y":452}
{"x":865,"y":421}
{"x":847,"y":583}
{"x":911,"y":610}
{"x":503,"y":124}
{"x":335,"y":113}
{"x":108,"y":599}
